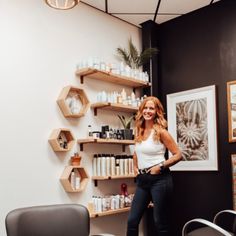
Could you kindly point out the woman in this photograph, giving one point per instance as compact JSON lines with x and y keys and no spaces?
{"x":154,"y":182}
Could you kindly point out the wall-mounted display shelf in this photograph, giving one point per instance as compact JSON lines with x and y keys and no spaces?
{"x":96,"y":178}
{"x":75,"y":183}
{"x":110,"y":212}
{"x":113,"y":212}
{"x":112,"y":177}
{"x":73,"y":102}
{"x":109,"y":77}
{"x":61,"y":140}
{"x":113,"y":107}
{"x":105,"y":141}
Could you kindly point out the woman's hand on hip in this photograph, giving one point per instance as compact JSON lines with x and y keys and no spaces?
{"x":155,"y":170}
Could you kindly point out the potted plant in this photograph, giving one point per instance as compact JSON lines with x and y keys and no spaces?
{"x":127,"y":132}
{"x":133,"y":58}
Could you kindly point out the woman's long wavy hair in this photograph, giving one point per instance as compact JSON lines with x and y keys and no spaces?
{"x":159,"y":120}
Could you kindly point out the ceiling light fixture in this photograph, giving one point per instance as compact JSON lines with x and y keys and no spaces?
{"x":62,"y":4}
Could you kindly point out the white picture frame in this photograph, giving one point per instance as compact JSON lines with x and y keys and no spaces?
{"x":191,"y":119}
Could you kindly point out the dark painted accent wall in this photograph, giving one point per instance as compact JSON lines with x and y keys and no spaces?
{"x":196,"y":50}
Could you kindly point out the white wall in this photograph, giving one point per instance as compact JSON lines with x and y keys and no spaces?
{"x":39,"y":50}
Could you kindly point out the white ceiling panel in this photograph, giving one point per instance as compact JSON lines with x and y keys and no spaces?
{"x":132,"y":6}
{"x":139,"y":11}
{"x":135,"y":19}
{"x":163,"y":18}
{"x":181,"y":6}
{"x":100,"y":4}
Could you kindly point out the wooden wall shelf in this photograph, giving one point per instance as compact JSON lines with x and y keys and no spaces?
{"x":105,"y":141}
{"x":113,"y":107}
{"x":96,"y":178}
{"x":112,"y":78}
{"x":66,"y":182}
{"x":65,"y":102}
{"x":110,"y":212}
{"x":58,"y":137}
{"x":113,"y":177}
{"x":113,"y":212}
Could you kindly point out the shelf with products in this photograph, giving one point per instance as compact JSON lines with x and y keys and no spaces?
{"x":61,"y":140}
{"x":110,"y":77}
{"x":113,"y":107}
{"x":76,"y":182}
{"x":112,"y":177}
{"x":96,"y":178}
{"x":113,"y":212}
{"x":73,"y":102}
{"x":123,"y":142}
{"x":109,"y":212}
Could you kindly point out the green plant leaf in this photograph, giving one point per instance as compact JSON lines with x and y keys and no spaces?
{"x":134,"y":54}
{"x":124,"y":55}
{"x":122,"y":119}
{"x":146,"y":55}
{"x":126,"y":123}
{"x":132,"y":57}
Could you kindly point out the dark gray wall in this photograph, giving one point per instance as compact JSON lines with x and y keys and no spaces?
{"x":196,"y":50}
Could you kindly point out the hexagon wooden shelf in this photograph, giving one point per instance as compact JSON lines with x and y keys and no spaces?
{"x":66,"y":179}
{"x":61,"y":140}
{"x":73,"y":102}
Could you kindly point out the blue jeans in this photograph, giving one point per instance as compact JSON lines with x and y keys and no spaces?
{"x":155,"y":188}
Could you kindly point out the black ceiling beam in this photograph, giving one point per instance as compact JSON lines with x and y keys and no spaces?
{"x":106,"y":6}
{"x":130,"y":13}
{"x":212,"y":1}
{"x":158,"y":5}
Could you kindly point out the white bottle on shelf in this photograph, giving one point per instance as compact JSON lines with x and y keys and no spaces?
{"x":123,"y":95}
{"x":132,"y":96}
{"x":131,"y":165}
{"x":98,"y":165}
{"x":121,"y":165}
{"x":72,"y":179}
{"x":113,"y":165}
{"x":89,"y":132}
{"x":77,"y":182}
{"x":126,"y":165}
{"x":99,"y":204}
{"x":95,"y":157}
{"x":117,"y":165}
{"x":95,"y":202}
{"x":103,"y":165}
{"x":108,"y":165}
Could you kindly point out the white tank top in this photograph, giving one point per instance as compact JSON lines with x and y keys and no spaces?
{"x":149,"y":152}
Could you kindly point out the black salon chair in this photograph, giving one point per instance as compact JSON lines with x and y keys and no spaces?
{"x":224,"y":223}
{"x":53,"y":220}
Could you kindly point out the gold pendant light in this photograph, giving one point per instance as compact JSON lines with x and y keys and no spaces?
{"x":62,"y":4}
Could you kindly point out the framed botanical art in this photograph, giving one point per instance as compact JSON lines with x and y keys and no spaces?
{"x":192,"y":123}
{"x":231,"y":100}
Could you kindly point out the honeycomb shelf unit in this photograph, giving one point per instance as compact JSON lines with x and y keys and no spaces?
{"x":123,"y":142}
{"x":61,"y":140}
{"x":66,"y":178}
{"x":110,"y":77}
{"x":79,"y":97}
{"x":113,"y":107}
